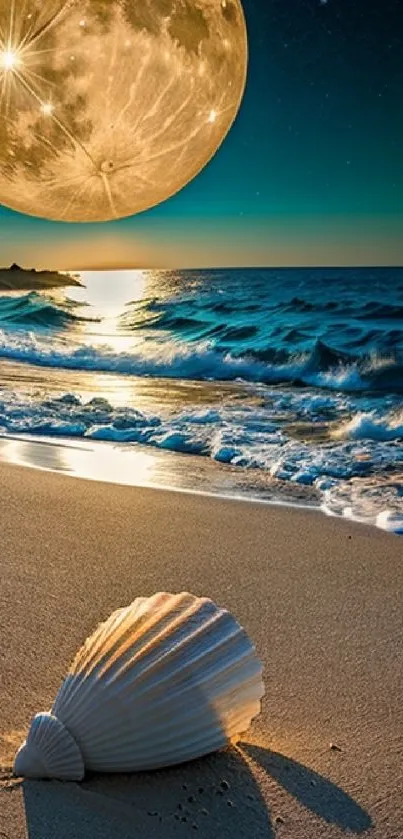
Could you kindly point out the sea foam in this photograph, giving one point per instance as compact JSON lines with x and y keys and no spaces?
{"x":347,"y":467}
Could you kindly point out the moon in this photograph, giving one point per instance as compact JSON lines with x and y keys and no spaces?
{"x":109,"y":107}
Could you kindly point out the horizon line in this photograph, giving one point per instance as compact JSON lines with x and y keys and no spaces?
{"x":233,"y":267}
{"x":107,"y":268}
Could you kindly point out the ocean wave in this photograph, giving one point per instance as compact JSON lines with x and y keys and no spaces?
{"x":383,"y":311}
{"x":323,"y":367}
{"x":275,"y":331}
{"x":38,"y":310}
{"x":174,"y":312}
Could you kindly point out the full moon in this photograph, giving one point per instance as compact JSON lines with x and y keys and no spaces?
{"x":108,"y":107}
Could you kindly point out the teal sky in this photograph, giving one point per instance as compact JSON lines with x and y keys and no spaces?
{"x":310,"y":174}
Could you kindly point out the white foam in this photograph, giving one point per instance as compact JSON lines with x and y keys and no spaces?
{"x":369,"y":426}
{"x":352,"y":470}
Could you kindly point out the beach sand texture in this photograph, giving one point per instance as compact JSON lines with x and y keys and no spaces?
{"x":322,"y":599}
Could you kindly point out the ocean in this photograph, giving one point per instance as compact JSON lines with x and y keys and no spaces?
{"x":278,"y":385}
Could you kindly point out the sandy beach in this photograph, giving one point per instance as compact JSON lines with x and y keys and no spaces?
{"x":322,"y":599}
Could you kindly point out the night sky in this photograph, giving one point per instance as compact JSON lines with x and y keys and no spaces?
{"x":310,"y":174}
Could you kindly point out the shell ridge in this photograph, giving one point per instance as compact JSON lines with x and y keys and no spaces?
{"x":184,"y":679}
{"x":88,"y":651}
{"x":91,"y":646}
{"x":177,"y":623}
{"x":193,"y":663}
{"x":67,"y":692}
{"x":174,"y":753}
{"x":223,"y":690}
{"x":182,"y":689}
{"x":135,"y":678}
{"x":71,"y":686}
{"x":78,"y":669}
{"x":251,"y":694}
{"x":105,"y":629}
{"x":166,"y":732}
{"x":147,"y":622}
{"x":201,"y":746}
{"x":176,"y":649}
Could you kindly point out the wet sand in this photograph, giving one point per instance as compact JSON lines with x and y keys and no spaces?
{"x":322,"y":599}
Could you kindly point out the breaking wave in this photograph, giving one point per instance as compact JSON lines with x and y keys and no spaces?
{"x":324,"y":367}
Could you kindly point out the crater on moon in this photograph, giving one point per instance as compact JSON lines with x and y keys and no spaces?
{"x":108,"y":107}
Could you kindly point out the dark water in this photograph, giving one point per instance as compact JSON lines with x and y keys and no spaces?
{"x":314,"y":358}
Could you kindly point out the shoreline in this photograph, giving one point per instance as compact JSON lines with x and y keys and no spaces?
{"x":146,"y":467}
{"x":320,"y":598}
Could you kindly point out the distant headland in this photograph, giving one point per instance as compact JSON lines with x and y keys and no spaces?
{"x":16,"y":278}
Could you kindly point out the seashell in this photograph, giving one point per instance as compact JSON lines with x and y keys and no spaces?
{"x":168,"y":679}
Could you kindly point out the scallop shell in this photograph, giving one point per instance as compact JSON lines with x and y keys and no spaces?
{"x":168,"y":679}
